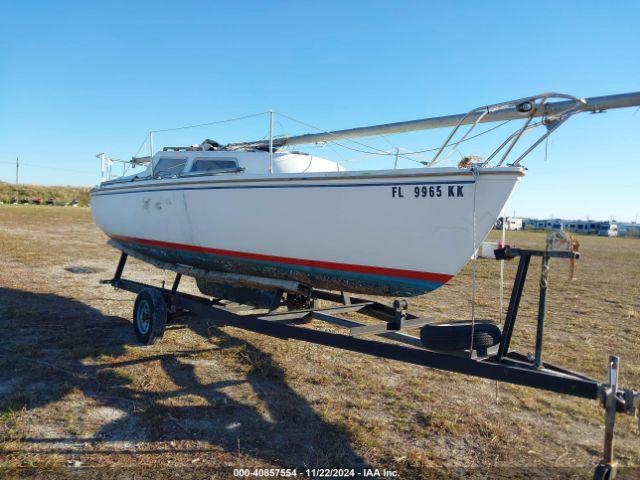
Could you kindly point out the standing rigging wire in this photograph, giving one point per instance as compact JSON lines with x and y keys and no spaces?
{"x":142,"y":146}
{"x":371,"y":150}
{"x":184,"y":127}
{"x":395,"y":147}
{"x":476,"y":176}
{"x":210,"y":123}
{"x":457,"y":143}
{"x":279,"y":124}
{"x":452,"y":134}
{"x":462,"y":141}
{"x":379,"y":151}
{"x":337,"y":152}
{"x":383,"y":152}
{"x":342,"y":159}
{"x":546,"y":149}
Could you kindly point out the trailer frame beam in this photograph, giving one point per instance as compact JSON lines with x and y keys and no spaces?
{"x":506,"y":366}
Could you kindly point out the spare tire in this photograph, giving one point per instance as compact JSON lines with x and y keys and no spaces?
{"x":457,"y":335}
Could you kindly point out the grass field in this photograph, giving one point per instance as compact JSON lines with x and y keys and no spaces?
{"x":60,"y":194}
{"x":79,"y":396}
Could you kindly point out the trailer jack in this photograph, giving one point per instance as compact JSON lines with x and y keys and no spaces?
{"x":614,"y":401}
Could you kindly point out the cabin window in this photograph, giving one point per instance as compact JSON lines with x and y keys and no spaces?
{"x":203,"y":165}
{"x":166,"y":167}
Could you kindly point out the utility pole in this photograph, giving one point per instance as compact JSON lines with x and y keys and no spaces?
{"x":17,"y":169}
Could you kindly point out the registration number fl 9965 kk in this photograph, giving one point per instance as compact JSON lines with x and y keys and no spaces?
{"x":427,"y":191}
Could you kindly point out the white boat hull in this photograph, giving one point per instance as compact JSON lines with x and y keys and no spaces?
{"x":397,"y":232}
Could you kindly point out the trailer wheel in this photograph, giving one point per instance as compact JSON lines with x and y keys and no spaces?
{"x":457,"y":336}
{"x":149,"y":316}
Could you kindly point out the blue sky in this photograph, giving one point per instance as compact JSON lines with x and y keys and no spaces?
{"x":79,"y":78}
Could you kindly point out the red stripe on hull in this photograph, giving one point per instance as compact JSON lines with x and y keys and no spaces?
{"x":390,"y":272}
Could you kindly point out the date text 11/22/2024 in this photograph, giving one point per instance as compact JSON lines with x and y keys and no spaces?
{"x":431,"y":191}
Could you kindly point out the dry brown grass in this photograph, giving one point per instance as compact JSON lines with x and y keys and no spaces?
{"x":61,"y":194}
{"x":75,"y":387}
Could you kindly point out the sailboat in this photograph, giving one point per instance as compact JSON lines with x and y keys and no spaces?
{"x":256,"y":210}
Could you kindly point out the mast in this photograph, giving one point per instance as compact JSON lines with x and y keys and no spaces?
{"x":593,"y":104}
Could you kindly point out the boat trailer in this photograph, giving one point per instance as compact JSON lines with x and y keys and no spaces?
{"x":154,"y":306}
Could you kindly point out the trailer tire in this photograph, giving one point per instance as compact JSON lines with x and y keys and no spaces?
{"x":149,"y":316}
{"x":604,"y":471}
{"x":457,"y":335}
